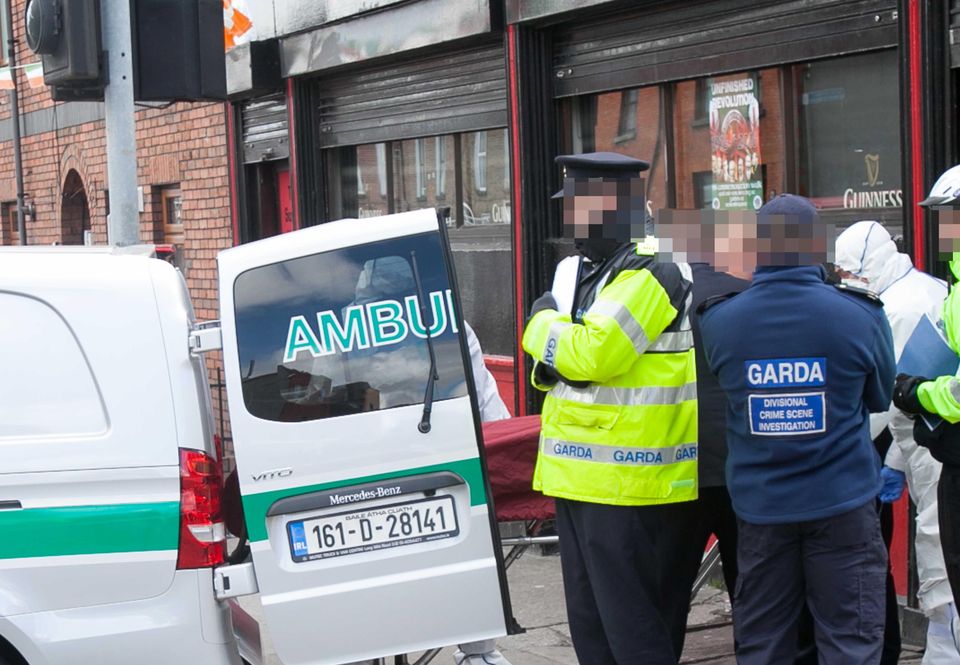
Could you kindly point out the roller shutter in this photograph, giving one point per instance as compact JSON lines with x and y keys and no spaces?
{"x":456,"y":92}
{"x":265,"y":129}
{"x":679,"y":40}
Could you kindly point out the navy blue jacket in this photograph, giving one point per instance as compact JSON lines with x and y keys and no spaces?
{"x":802,"y":364}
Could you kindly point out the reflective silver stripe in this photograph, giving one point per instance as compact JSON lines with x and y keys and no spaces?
{"x":625,"y":320}
{"x":673,"y":341}
{"x":614,"y":396}
{"x":553,"y":340}
{"x":623,"y":455}
{"x":954,"y":387}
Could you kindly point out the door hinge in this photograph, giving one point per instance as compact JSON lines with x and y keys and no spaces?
{"x":205,"y":337}
{"x":236,"y":580}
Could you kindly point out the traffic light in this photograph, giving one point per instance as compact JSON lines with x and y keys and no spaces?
{"x":66,"y":33}
{"x":178,"y":50}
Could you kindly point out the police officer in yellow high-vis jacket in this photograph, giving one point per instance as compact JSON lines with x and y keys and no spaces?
{"x":618,"y":447}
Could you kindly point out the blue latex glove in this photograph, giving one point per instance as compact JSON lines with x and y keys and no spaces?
{"x":894,"y":483}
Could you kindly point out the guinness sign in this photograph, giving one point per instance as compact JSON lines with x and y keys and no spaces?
{"x":872,"y":198}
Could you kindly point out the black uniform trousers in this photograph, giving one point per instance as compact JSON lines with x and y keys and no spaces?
{"x":948,"y":512}
{"x":681,"y":552}
{"x":611,"y":580}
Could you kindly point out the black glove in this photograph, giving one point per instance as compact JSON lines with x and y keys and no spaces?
{"x":548,"y":376}
{"x":545,"y":375}
{"x":546,"y":301}
{"x":905,"y":395}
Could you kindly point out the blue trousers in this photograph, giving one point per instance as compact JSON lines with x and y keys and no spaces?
{"x":838,"y":565}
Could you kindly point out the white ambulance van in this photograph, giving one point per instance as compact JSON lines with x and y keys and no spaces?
{"x":109,"y":482}
{"x":355,"y":424}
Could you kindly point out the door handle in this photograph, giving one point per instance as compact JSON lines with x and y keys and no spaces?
{"x":10,"y":504}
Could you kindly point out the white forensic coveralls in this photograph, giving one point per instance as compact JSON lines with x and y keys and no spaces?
{"x":866,"y":250}
{"x":491,"y":408}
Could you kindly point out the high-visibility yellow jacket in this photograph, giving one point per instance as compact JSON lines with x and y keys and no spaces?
{"x":942,"y":395}
{"x":626,"y":432}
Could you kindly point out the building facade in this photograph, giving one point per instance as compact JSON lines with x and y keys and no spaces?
{"x":464,"y":104}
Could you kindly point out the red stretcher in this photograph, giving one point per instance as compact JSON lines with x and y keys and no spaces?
{"x":511,"y":452}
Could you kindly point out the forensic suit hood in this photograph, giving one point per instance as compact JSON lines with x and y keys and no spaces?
{"x":867,"y":250}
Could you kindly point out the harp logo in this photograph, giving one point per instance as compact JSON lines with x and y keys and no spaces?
{"x":872,"y":162}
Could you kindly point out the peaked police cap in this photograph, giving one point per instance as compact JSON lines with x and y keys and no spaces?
{"x":610,"y":165}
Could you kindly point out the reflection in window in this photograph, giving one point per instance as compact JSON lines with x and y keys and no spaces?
{"x":361,"y":188}
{"x":480,"y":162}
{"x":420,"y":168}
{"x":627,"y":128}
{"x":441,"y":162}
{"x":479,"y":221}
{"x":506,"y":160}
{"x":340,"y":333}
{"x":382,"y":168}
{"x":594,"y":123}
{"x":850,"y":133}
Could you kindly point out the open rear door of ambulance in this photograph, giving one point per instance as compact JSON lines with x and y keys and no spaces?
{"x":364,"y":487}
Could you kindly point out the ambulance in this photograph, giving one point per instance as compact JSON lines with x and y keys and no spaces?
{"x":363,"y":487}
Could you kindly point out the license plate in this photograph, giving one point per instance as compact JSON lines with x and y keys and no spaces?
{"x":355,"y":531}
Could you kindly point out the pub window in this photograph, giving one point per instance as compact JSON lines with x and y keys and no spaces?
{"x":849,"y":147}
{"x":627,"y":126}
{"x":478,"y":224}
{"x":593,"y":123}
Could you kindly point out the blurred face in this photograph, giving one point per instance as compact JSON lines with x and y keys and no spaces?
{"x":603,"y":208}
{"x":948,"y":232}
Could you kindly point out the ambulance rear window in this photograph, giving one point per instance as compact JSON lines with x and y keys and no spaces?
{"x":340,"y":333}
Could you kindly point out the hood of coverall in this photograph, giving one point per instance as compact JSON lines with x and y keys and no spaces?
{"x":867,"y":250}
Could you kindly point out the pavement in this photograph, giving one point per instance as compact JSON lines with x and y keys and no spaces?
{"x":536,"y":591}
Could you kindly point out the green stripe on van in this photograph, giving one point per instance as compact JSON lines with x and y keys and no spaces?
{"x":255,"y":506}
{"x":136,"y":527}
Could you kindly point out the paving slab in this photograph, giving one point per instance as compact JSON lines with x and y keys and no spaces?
{"x":536,"y":590}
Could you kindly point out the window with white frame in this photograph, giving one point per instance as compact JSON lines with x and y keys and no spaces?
{"x":420,"y":167}
{"x":441,"y":161}
{"x":480,"y":162}
{"x":382,"y":168}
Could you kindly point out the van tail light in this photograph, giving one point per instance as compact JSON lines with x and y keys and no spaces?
{"x":202,"y":534}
